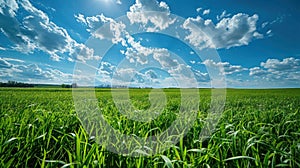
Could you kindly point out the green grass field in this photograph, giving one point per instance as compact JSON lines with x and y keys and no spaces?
{"x":39,"y":127}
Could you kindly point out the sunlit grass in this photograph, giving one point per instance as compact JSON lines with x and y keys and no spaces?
{"x":258,"y":128}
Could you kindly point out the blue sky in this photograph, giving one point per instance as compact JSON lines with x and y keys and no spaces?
{"x":182,"y":43}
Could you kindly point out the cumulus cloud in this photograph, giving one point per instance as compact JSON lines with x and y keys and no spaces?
{"x":197,"y":36}
{"x":83,"y":53}
{"x":183,"y":74}
{"x":287,"y":64}
{"x":180,"y":72}
{"x":135,"y":53}
{"x":238,"y":30}
{"x":257,"y":71}
{"x":228,"y":68}
{"x":32,"y":30}
{"x":8,"y":7}
{"x":124,"y":74}
{"x":287,"y":69}
{"x":116,"y":32}
{"x":32,"y":72}
{"x":18,"y":70}
{"x":105,"y":71}
{"x":151,"y":12}
{"x":110,"y":29}
{"x":110,"y":74}
{"x":80,"y":18}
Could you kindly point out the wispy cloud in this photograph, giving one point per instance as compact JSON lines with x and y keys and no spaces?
{"x":206,"y":12}
{"x":223,"y":15}
{"x":4,"y":64}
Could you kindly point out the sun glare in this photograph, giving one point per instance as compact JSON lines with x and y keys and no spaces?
{"x":105,"y":1}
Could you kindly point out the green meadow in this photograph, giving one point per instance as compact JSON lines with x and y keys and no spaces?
{"x":39,"y":127}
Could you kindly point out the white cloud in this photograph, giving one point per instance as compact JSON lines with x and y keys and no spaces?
{"x":35,"y":31}
{"x":180,"y":73}
{"x":238,"y":30}
{"x":151,"y":12}
{"x":198,"y":9}
{"x":83,"y":53}
{"x":4,"y":64}
{"x":116,"y":32}
{"x":151,"y":74}
{"x":124,"y":74}
{"x":134,"y":55}
{"x":165,"y":59}
{"x":257,"y":71}
{"x":286,"y":64}
{"x":12,"y":60}
{"x":131,"y":77}
{"x":206,"y":12}
{"x":138,"y":53}
{"x":197,"y":37}
{"x":200,"y":76}
{"x":269,"y":33}
{"x":95,"y":22}
{"x":180,"y":70}
{"x":103,"y":27}
{"x":119,"y":2}
{"x":80,"y":18}
{"x":287,"y":70}
{"x":109,"y":74}
{"x":228,"y":68}
{"x":32,"y":72}
{"x":263,"y":25}
{"x":18,"y":70}
{"x":223,"y":15}
{"x":258,"y":35}
{"x":11,"y":7}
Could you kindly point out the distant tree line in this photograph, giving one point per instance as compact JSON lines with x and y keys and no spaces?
{"x":121,"y":86}
{"x":73,"y":85}
{"x":15,"y":84}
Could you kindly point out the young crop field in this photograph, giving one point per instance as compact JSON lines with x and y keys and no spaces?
{"x":39,"y":127}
